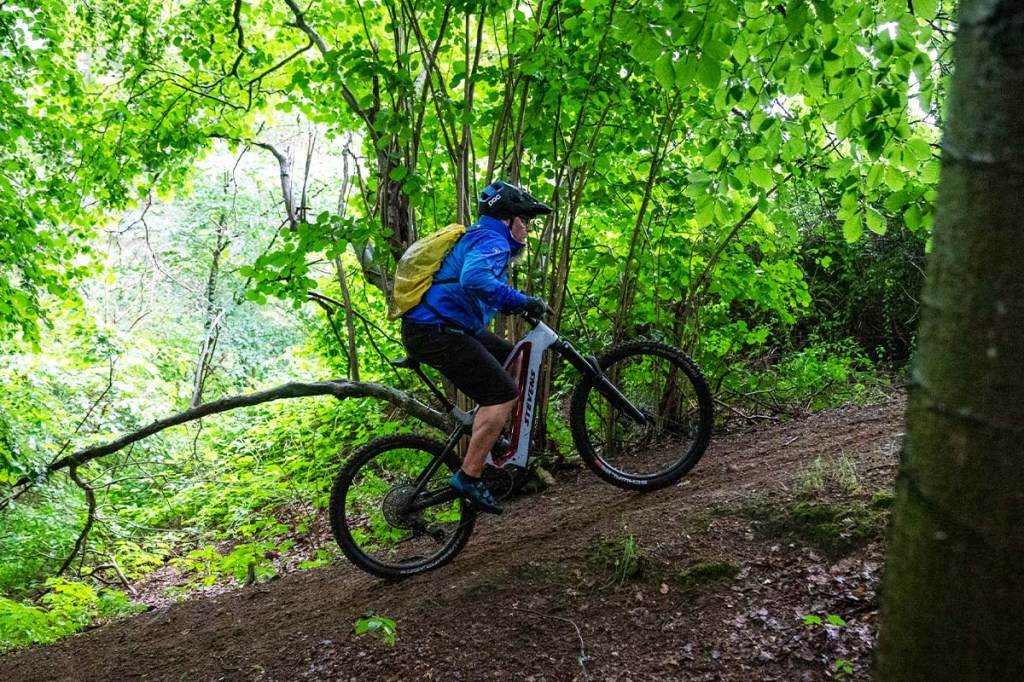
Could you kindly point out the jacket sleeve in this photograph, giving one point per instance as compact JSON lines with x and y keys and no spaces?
{"x":483,"y":274}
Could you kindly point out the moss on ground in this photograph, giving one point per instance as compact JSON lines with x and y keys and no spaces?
{"x":838,"y":526}
{"x":698,"y":575}
{"x":621,"y":559}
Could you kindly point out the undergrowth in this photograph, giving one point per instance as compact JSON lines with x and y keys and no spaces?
{"x":619,"y":559}
{"x":834,"y":509}
{"x":66,"y":608}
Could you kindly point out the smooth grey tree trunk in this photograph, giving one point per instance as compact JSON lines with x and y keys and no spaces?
{"x":953,"y":596}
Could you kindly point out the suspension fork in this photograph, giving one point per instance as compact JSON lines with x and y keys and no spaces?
{"x":591,"y":369}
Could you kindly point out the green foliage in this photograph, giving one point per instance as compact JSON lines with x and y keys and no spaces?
{"x":832,"y":619}
{"x":818,"y":376}
{"x":67,"y":607}
{"x":377,"y":626}
{"x":865,"y":292}
{"x":752,"y":182}
{"x":622,"y":559}
{"x":843,"y":667}
{"x":247,"y":563}
{"x":34,"y":538}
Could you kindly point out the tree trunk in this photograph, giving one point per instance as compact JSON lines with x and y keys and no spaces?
{"x":350,"y":323}
{"x":954,"y":583}
{"x":211,"y":315}
{"x":392,"y":203}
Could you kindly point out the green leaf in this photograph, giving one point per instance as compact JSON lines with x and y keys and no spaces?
{"x":380,"y":626}
{"x":912,"y":217}
{"x":710,"y":73}
{"x":921,"y":150}
{"x":876,"y":221}
{"x":398,"y":172}
{"x":664,"y":71}
{"x":875,"y":142}
{"x":796,"y":17}
{"x":647,"y":50}
{"x":875,"y":175}
{"x":824,"y":10}
{"x":686,"y":71}
{"x":716,"y":49}
{"x":926,"y":9}
{"x":930,"y":172}
{"x":840,"y":168}
{"x":739,"y":50}
{"x":894,"y":179}
{"x":853,"y":228}
{"x":762,"y":177}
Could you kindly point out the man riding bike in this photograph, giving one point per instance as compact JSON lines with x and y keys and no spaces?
{"x":448,"y":328}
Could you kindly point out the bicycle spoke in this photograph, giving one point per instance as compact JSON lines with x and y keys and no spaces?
{"x":372,"y":511}
{"x":661,"y":383}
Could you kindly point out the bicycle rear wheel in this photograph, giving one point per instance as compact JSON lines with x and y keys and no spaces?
{"x":368,"y":511}
{"x":669,"y":389}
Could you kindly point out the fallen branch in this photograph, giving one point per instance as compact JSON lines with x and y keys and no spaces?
{"x":744,"y":416}
{"x":339,"y":388}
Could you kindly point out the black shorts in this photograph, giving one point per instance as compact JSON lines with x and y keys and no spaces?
{"x":475,"y":364}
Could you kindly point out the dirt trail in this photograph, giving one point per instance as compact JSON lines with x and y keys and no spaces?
{"x":534,"y":596}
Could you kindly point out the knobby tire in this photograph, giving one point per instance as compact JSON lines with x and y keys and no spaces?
{"x":359,"y":509}
{"x":664,"y":383}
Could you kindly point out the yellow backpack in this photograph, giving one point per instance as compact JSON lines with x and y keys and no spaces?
{"x":415,"y":271}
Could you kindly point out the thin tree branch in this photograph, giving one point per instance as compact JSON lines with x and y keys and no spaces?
{"x":286,"y":180}
{"x":579,"y":635}
{"x":350,"y":98}
{"x":237,"y":15}
{"x":339,"y":388}
{"x":90,"y":498}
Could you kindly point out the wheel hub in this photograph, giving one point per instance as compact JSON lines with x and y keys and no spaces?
{"x":395,"y":505}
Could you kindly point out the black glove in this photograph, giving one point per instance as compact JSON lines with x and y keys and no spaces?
{"x":534,"y":307}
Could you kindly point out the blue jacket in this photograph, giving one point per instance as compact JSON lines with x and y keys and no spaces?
{"x":471,"y":285}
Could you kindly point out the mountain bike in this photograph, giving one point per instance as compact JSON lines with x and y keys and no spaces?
{"x":640,"y":418}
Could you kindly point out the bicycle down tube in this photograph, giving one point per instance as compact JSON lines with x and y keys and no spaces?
{"x":529,"y":353}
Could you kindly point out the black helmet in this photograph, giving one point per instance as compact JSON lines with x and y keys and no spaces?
{"x":504,"y":201}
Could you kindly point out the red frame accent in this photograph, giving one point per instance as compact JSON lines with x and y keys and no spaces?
{"x":523,"y":354}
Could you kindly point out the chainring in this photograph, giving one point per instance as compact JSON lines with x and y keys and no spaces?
{"x":502,"y":481}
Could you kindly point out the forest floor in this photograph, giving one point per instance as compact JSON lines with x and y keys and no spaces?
{"x":715,"y":578}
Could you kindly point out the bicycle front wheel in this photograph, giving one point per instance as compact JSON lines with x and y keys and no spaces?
{"x":369,"y":511}
{"x":667,"y":387}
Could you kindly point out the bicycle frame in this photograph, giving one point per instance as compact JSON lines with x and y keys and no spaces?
{"x":529,"y":354}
